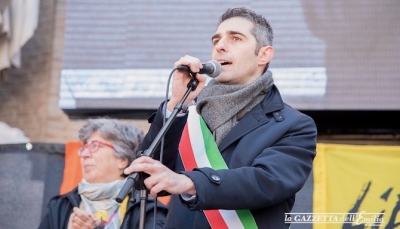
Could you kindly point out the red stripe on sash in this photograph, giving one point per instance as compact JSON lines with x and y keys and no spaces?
{"x":215,"y":219}
{"x":186,"y":151}
{"x":185,"y":147}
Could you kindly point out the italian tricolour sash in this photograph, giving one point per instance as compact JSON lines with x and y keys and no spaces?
{"x":198,"y":149}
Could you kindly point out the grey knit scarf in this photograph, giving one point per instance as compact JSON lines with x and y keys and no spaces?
{"x":222,"y":106}
{"x":101,"y":197}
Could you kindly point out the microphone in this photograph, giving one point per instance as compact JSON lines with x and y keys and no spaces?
{"x":212,"y":68}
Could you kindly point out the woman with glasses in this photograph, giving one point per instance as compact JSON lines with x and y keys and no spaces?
{"x":109,"y":147}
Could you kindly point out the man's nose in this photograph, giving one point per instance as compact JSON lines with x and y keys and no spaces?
{"x":221,"y":45}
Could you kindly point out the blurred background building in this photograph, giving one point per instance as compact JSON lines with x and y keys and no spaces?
{"x":66,"y":60}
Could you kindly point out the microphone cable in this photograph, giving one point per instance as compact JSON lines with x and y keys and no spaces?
{"x":164,"y":111}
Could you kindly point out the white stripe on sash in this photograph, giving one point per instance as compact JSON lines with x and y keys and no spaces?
{"x":196,"y":139}
{"x":231,"y":219}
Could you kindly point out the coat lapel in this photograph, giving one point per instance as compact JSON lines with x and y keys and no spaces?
{"x":255,"y":118}
{"x":249,"y":122}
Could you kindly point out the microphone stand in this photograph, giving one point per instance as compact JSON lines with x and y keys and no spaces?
{"x":143,"y":202}
{"x":135,"y":177}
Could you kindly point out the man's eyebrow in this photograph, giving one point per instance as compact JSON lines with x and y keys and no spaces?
{"x":215,"y":36}
{"x":236,"y":33}
{"x":230,"y":33}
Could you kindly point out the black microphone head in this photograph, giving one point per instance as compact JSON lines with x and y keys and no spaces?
{"x":212,"y":68}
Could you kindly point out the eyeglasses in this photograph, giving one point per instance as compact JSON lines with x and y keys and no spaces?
{"x":93,"y":147}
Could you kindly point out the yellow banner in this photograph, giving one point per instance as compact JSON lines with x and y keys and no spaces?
{"x":356,"y":187}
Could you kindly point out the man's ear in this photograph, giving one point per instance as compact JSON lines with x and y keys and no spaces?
{"x":265,"y":55}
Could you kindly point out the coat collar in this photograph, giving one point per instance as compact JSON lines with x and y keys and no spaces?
{"x":255,"y":118}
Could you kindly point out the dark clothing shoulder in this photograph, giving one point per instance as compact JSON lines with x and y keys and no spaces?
{"x":60,"y":208}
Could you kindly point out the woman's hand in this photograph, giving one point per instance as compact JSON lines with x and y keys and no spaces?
{"x":81,"y":219}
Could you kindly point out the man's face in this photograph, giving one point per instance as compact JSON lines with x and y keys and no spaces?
{"x":234,"y":47}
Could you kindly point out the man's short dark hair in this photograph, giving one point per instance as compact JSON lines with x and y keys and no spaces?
{"x":262,"y":31}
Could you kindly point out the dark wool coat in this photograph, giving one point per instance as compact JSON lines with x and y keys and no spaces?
{"x":269,"y":154}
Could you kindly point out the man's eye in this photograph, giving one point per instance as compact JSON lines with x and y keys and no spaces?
{"x":236,"y":39}
{"x":215,"y":42}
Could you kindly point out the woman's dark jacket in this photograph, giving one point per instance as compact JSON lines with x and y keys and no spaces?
{"x":60,"y":208}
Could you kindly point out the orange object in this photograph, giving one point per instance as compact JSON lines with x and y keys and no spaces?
{"x":72,"y":167}
{"x":164,"y":199}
